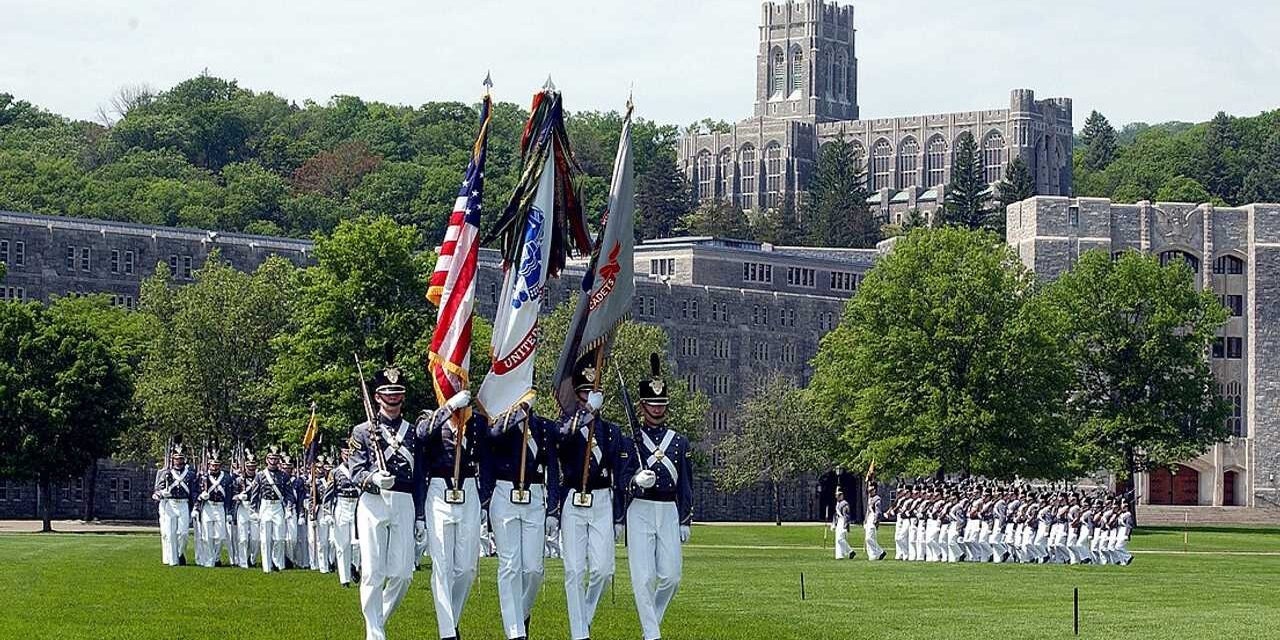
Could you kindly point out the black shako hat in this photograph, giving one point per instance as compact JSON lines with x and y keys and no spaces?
{"x":389,"y":380}
{"x":584,"y":379}
{"x":654,"y":390}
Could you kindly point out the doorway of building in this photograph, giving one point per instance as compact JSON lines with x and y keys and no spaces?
{"x":1176,"y":485}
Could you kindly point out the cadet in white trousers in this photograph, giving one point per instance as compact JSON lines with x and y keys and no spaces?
{"x":870,"y":524}
{"x":389,"y":513}
{"x":519,"y":457}
{"x":840,"y":525}
{"x":247,"y":526}
{"x":660,"y":515}
{"x":590,"y":520}
{"x":453,"y":506}
{"x":215,"y":510}
{"x":270,"y":498}
{"x":346,"y":496}
{"x":175,"y":490}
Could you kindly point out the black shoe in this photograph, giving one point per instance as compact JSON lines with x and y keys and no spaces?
{"x":457,"y":635}
{"x":182,"y":561}
{"x":346,"y":585}
{"x":526,"y":626}
{"x":881,"y":556}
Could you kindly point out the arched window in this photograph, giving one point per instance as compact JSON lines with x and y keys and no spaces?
{"x":1174,"y":255}
{"x":773,"y":175}
{"x":797,"y":69}
{"x":1235,"y":405}
{"x":859,"y":152}
{"x":1229,"y":265}
{"x":881,"y":160}
{"x":992,"y":157}
{"x":831,"y":70}
{"x":908,"y":151}
{"x":779,"y":72}
{"x":706,"y":175}
{"x":935,"y":162}
{"x":726,"y":174}
{"x":748,"y":169}
{"x":841,"y":73}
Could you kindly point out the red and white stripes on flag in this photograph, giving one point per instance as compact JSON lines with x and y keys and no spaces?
{"x":453,"y":283}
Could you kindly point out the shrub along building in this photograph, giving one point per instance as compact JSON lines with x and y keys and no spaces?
{"x":733,"y":310}
{"x":807,"y":96}
{"x":1234,"y":252}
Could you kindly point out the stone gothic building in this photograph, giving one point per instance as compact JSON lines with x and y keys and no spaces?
{"x":807,"y":95}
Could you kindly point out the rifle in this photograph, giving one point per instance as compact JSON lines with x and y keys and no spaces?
{"x":374,"y":437}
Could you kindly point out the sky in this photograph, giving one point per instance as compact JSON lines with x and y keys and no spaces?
{"x":1133,"y":60}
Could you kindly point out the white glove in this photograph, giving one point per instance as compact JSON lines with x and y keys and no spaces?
{"x":685,"y":532}
{"x":155,"y":495}
{"x":619,"y":533}
{"x":553,"y":526}
{"x":383,"y":479}
{"x":646,"y":479}
{"x":459,"y":401}
{"x":419,"y":531}
{"x":204,"y":495}
{"x":242,"y":497}
{"x":595,"y":400}
{"x":165,"y":494}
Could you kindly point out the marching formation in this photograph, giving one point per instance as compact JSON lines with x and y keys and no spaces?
{"x":989,"y":522}
{"x":489,"y":476}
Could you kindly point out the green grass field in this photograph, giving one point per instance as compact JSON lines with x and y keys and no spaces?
{"x":739,"y":583}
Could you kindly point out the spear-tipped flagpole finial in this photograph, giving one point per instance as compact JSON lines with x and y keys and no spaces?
{"x":488,"y":81}
{"x":549,"y":86}
{"x":631,"y":94}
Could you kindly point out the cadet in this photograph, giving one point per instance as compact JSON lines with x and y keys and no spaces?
{"x":660,"y":516}
{"x":591,"y":520}
{"x":322,"y":518}
{"x":216,"y":511}
{"x":346,"y":495}
{"x":246,"y":516}
{"x":389,"y":515}
{"x":874,"y":550}
{"x":296,"y":518}
{"x":175,"y":490}
{"x":270,"y":496}
{"x":519,"y":458}
{"x":452,"y":508}
{"x":840,"y":525}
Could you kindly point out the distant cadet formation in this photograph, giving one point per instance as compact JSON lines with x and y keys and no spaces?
{"x":435,"y":487}
{"x":989,"y":522}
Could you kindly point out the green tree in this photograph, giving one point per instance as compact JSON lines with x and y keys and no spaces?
{"x":1219,"y":162}
{"x":206,"y":373}
{"x":632,"y":345}
{"x":366,"y":294}
{"x":65,"y":395}
{"x":940,"y":364}
{"x":1262,"y":184}
{"x":1018,"y":184}
{"x":1136,"y":335}
{"x":716,"y":218}
{"x":837,"y":214}
{"x":780,"y":439}
{"x":1099,"y":139}
{"x":1182,"y":189}
{"x":662,"y":199}
{"x":967,"y":193}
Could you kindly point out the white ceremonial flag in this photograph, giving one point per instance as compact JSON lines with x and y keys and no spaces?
{"x":515,"y":327}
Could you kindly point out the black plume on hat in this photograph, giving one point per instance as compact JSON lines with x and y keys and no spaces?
{"x":654,"y":390}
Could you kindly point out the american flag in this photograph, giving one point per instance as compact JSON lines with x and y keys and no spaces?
{"x":453,"y":281}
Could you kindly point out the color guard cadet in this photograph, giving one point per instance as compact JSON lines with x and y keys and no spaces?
{"x":216,"y":510}
{"x":452,"y":451}
{"x":389,"y":515}
{"x":591,"y":519}
{"x":519,"y":458}
{"x":874,"y":551}
{"x":247,"y":525}
{"x":840,"y":525}
{"x":271,"y":497}
{"x":345,"y":497}
{"x":660,"y":516}
{"x":175,"y":490}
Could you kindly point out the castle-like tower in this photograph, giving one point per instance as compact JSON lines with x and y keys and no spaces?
{"x":806,"y":67}
{"x":807,"y":96}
